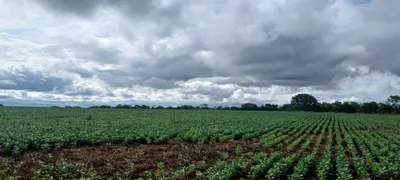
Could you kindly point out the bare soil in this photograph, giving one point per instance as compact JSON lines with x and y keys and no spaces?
{"x":126,"y":161}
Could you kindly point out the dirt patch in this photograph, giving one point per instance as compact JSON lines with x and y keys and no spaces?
{"x":129,"y":161}
{"x":312,"y":174}
{"x":384,"y":129}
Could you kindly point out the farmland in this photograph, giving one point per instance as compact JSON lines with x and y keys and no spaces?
{"x":196,"y":144}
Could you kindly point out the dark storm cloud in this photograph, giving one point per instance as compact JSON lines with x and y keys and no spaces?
{"x":165,"y":16}
{"x":79,"y":7}
{"x":180,"y":68}
{"x":378,"y":36}
{"x":299,"y":55}
{"x":131,"y":8}
{"x":4,"y":97}
{"x":384,"y":59}
{"x":163,"y":74}
{"x":21,"y":78}
{"x":289,"y":61}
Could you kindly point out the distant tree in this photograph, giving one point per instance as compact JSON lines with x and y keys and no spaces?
{"x":1,"y":105}
{"x":72,"y":107}
{"x":125,"y":106}
{"x":204,"y":106}
{"x":356,"y":106}
{"x":248,"y":106}
{"x":304,"y":102}
{"x":370,"y":107}
{"x":226,"y":108}
{"x":286,"y":107}
{"x":325,"y":107}
{"x":270,"y":107}
{"x":102,"y":106}
{"x":144,"y":107}
{"x":385,"y":108}
{"x":159,"y":107}
{"x":350,"y":107}
{"x":337,"y":106}
{"x":185,"y":107}
{"x":234,"y":108}
{"x":394,"y":102}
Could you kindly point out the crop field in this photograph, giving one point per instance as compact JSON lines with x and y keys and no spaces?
{"x":66,"y":143}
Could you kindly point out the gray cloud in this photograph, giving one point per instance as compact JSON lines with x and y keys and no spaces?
{"x":161,"y":74}
{"x":87,"y":51}
{"x":291,"y":49}
{"x":249,"y":46}
{"x":288,"y":61}
{"x":158,"y":10}
{"x":22,"y":78}
{"x":83,"y":8}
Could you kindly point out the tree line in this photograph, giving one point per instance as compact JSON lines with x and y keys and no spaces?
{"x":307,"y":102}
{"x":299,"y":102}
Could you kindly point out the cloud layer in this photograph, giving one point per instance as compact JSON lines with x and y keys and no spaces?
{"x":217,"y":52}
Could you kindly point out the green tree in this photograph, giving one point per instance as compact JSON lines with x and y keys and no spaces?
{"x":249,"y":106}
{"x":271,"y":107}
{"x":1,"y":105}
{"x":385,"y":108}
{"x":350,"y":107}
{"x":204,"y":106}
{"x":337,"y":106}
{"x":326,"y":107}
{"x":370,"y":107}
{"x":394,"y":102}
{"x":304,"y":102}
{"x":286,"y":107}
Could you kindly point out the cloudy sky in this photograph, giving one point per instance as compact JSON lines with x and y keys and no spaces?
{"x":82,"y":52}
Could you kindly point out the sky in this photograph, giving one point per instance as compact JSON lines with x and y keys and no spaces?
{"x":218,"y":52}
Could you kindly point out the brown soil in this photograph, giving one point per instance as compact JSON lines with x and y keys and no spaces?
{"x":321,"y":148}
{"x":281,"y":145}
{"x":111,"y":159}
{"x":312,"y":175}
{"x":312,"y":145}
{"x":384,"y":129}
{"x":298,"y":146}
